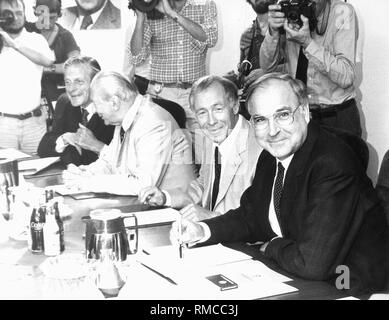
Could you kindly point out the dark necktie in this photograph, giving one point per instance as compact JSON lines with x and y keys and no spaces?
{"x":86,"y":22}
{"x":122,"y":133}
{"x":84,"y":116}
{"x":302,"y":67}
{"x":218,"y":169}
{"x":277,"y":192}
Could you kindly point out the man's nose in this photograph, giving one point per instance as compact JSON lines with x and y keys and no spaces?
{"x":211,"y":118}
{"x":273,"y":127}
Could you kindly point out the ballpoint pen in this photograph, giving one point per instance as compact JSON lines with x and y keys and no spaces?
{"x":180,"y":246}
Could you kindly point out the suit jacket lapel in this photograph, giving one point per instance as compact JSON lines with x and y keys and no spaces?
{"x":208,"y":163}
{"x":233,"y":163}
{"x":292,"y":178}
{"x":106,"y":18}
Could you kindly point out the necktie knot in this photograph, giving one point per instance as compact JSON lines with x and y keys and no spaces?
{"x":122,"y":133}
{"x":86,"y":22}
{"x":84,"y":116}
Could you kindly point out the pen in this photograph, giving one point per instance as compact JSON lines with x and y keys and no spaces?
{"x":180,"y":247}
{"x":158,"y":273}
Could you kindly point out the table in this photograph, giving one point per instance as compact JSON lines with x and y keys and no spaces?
{"x":149,"y":236}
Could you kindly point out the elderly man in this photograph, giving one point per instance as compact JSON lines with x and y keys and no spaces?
{"x":91,"y":14}
{"x":22,"y":58}
{"x":78,"y":134}
{"x":148,"y":147}
{"x":230,"y":154}
{"x":177,"y":42}
{"x":322,"y":55}
{"x":311,"y":203}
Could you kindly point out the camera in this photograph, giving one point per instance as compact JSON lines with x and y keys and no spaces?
{"x":146,"y":6}
{"x":294,"y":8}
{"x":6,"y":19}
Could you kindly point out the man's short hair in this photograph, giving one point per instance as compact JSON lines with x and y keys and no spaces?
{"x":54,"y":6}
{"x":90,"y":63}
{"x":297,"y":86}
{"x":12,"y":2}
{"x":202,"y":84}
{"x":115,"y":84}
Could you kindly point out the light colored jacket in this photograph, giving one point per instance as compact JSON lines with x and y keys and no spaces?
{"x":237,"y":175}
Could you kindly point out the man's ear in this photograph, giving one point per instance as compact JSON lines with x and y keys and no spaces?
{"x":115,"y":103}
{"x":305,"y":110}
{"x":235,"y":108}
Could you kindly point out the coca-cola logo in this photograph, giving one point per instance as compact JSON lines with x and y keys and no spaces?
{"x":37,"y":226}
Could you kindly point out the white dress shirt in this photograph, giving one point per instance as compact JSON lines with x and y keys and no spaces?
{"x":272,"y":215}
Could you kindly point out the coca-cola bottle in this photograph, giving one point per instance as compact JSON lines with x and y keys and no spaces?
{"x":37,"y":221}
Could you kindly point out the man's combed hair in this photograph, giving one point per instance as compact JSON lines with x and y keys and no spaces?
{"x":112,"y":83}
{"x":13,"y":2}
{"x":230,"y":89}
{"x":297,"y":86}
{"x":90,"y":63}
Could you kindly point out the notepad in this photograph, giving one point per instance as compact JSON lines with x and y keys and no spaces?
{"x":35,"y":166}
{"x":152,"y":217}
{"x":12,"y":154}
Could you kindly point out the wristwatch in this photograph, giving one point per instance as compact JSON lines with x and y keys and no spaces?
{"x":52,"y":68}
{"x":175,"y":18}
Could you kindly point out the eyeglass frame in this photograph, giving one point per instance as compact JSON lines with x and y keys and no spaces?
{"x":275,"y":120}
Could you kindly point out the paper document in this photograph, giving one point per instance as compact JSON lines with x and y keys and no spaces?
{"x":151,"y":217}
{"x":34,"y":166}
{"x":12,"y":154}
{"x":203,"y":256}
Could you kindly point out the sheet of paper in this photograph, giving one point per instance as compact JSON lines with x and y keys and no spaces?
{"x":145,"y":284}
{"x":12,"y":154}
{"x":166,"y":260}
{"x":151,"y":217}
{"x":34,"y":166}
{"x":65,"y":190}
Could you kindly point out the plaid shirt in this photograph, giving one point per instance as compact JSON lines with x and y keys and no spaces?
{"x":175,"y":55}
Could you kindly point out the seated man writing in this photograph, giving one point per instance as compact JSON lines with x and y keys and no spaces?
{"x":78,"y":134}
{"x":229,"y":157}
{"x":148,"y":147}
{"x":310,"y":204}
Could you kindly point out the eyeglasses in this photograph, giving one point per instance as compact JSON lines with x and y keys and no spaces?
{"x":282,"y":118}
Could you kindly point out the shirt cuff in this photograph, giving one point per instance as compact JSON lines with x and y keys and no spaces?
{"x":168,"y":201}
{"x":207,"y":232}
{"x":60,"y":145}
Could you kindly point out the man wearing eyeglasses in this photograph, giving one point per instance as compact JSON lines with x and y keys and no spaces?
{"x":229,"y":157}
{"x":310,"y":204}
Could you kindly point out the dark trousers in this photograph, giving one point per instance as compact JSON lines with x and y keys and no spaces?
{"x":343,"y":116}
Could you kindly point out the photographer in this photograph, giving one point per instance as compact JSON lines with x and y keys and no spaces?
{"x":177,"y":42}
{"x":320,"y":53}
{"x":22,"y":122}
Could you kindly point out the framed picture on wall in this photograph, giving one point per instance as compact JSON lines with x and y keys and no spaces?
{"x":91,"y":14}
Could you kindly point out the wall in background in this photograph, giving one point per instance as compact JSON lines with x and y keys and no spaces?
{"x":108,"y":46}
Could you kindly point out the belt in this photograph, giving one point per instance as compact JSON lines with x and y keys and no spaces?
{"x":326,"y":109}
{"x":180,"y":85}
{"x":37,"y":112}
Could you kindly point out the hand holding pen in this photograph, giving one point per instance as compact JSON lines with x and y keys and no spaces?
{"x":185,"y":232}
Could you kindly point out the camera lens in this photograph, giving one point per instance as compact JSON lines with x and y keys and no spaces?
{"x":293,"y":16}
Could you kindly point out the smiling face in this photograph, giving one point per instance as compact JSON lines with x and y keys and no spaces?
{"x":17,"y":9}
{"x":90,"y":6}
{"x":77,"y":82}
{"x":215,"y":113}
{"x":278,"y":96}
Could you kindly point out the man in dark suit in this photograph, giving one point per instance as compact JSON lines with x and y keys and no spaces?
{"x":78,"y":134}
{"x":91,"y":14}
{"x":310,"y":204}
